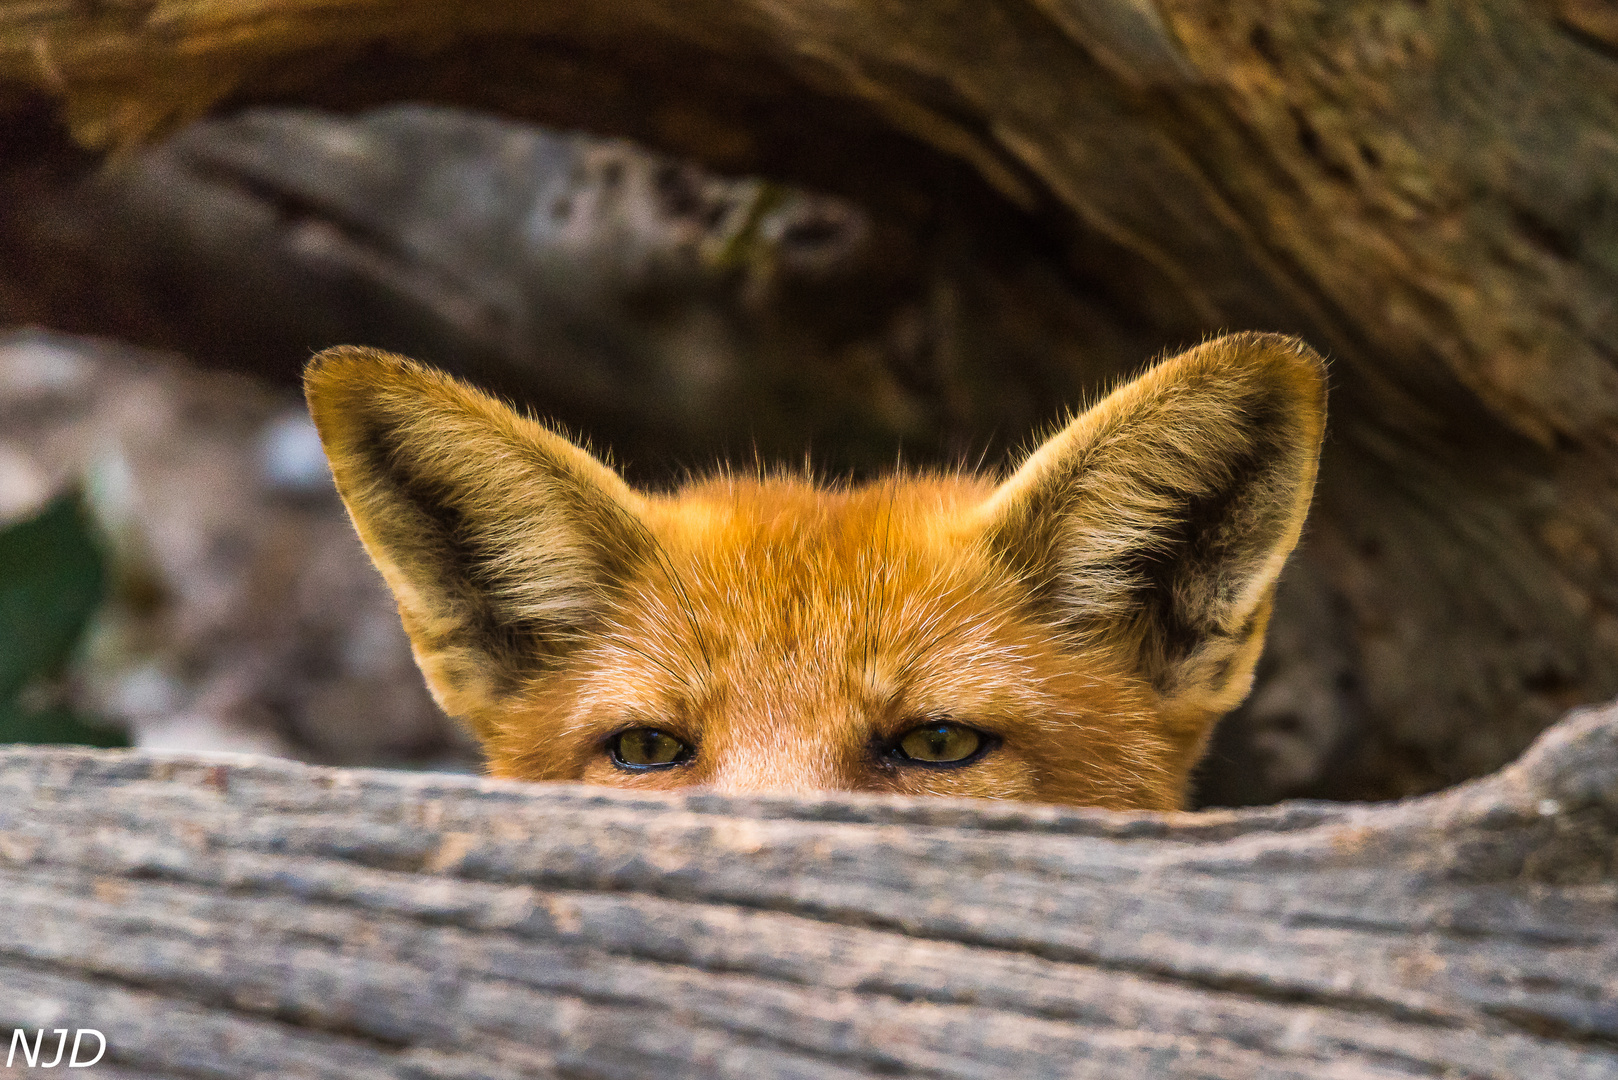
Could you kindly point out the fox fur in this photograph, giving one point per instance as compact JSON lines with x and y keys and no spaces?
{"x":1085,"y":620}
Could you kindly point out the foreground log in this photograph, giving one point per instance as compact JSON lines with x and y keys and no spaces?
{"x":238,"y":917}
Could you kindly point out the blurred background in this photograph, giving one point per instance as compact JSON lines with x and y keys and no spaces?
{"x":922,"y":247}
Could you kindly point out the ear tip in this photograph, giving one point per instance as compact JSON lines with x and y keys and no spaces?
{"x":1274,"y":351}
{"x":1276,"y":359}
{"x":343,"y":372}
{"x":345,"y":360}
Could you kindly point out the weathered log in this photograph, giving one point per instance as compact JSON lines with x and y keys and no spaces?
{"x":1255,"y":156}
{"x":248,"y":917}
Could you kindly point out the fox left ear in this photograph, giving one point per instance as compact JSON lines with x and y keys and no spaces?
{"x":1160,"y":519}
{"x":504,"y":543}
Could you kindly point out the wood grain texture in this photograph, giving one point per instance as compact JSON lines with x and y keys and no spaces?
{"x":254,"y":918}
{"x":1447,"y":167}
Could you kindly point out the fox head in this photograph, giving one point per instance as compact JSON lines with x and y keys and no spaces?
{"x":1069,"y":634}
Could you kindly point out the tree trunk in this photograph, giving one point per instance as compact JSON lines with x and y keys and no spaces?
{"x":231,"y":918}
{"x":1425,"y":191}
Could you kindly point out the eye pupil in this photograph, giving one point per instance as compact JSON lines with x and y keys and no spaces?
{"x":939,"y":743}
{"x":647,"y":748}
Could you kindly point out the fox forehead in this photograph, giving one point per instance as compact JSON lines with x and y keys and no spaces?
{"x":778,"y":588}
{"x":799,"y":518}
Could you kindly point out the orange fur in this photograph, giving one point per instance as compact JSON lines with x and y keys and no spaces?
{"x":1090,"y":617}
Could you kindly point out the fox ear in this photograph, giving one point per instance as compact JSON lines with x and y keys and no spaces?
{"x":501,"y":540}
{"x":1160,"y":519}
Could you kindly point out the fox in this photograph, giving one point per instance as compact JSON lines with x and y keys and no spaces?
{"x":1068,"y":631}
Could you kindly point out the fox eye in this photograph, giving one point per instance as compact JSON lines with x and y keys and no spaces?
{"x":940,"y":743}
{"x":647,"y":748}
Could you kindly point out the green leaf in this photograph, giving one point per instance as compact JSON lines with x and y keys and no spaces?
{"x":53,"y":725}
{"x":52,"y":579}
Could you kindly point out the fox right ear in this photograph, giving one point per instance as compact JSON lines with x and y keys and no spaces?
{"x":501,"y":540}
{"x":1159,"y":520}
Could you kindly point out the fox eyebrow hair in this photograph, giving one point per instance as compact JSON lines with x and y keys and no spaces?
{"x":879,"y":571}
{"x":672,"y":575}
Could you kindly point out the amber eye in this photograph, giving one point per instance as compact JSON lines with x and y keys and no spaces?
{"x":940,"y":744}
{"x":647,"y":748}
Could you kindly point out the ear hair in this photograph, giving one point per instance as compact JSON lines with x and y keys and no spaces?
{"x":1161,"y":518}
{"x":501,"y":540}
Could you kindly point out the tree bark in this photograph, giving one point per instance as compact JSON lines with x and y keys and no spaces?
{"x":235,"y":917}
{"x":1425,"y":191}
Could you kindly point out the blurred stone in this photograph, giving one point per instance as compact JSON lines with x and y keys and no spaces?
{"x":245,"y":614}
{"x":674,"y":314}
{"x":290,"y":457}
